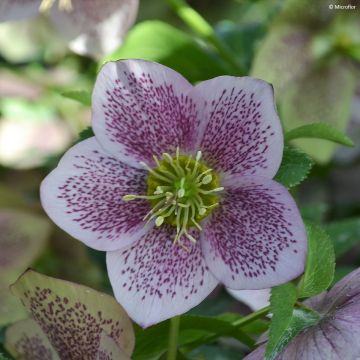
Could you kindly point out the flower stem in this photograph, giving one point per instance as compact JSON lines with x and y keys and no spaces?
{"x":173,"y":338}
{"x":197,"y":23}
{"x":237,"y":323}
{"x":251,"y":317}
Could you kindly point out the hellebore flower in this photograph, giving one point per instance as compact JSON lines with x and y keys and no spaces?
{"x":336,"y":335}
{"x":92,"y":27}
{"x":176,"y":186}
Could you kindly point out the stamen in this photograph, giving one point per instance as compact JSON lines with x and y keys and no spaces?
{"x":131,"y":197}
{"x":156,"y":174}
{"x":154,"y":209}
{"x":203,"y":174}
{"x":181,"y":191}
{"x":197,"y":159}
{"x":206,"y":192}
{"x":193,"y":217}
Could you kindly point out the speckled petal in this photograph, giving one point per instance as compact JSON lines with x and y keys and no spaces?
{"x":242,"y":131}
{"x":255,"y":238}
{"x":141,"y":109}
{"x":155,"y":280}
{"x":26,"y":340}
{"x":18,"y":9}
{"x":95,"y":27}
{"x":72,"y":316}
{"x":83,"y":196}
{"x":254,"y":299}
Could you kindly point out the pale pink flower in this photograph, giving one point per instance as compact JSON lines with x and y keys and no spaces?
{"x":176,"y":187}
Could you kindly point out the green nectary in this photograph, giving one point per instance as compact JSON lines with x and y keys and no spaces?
{"x":182,"y":191}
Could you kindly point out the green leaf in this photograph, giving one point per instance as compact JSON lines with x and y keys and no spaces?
{"x":282,"y":303}
{"x":61,"y":307}
{"x":314,"y":212}
{"x":294,"y":168}
{"x":151,"y":343}
{"x":319,"y":131}
{"x":344,"y":234}
{"x":320,"y":264}
{"x":81,"y":96}
{"x":163,"y":43}
{"x":86,"y":133}
{"x":300,"y":320}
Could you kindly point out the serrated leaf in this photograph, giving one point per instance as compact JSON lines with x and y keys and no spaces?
{"x":71,"y":314}
{"x":294,"y":168}
{"x":81,"y":96}
{"x":344,"y":234}
{"x":300,"y":320}
{"x":282,"y":303}
{"x":319,"y":131}
{"x":163,"y":43}
{"x":320,"y":264}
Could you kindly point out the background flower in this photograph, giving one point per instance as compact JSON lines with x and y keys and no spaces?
{"x":92,"y":27}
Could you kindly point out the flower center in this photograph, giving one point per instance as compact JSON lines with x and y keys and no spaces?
{"x":182,"y":191}
{"x":64,"y":5}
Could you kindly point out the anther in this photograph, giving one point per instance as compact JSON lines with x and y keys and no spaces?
{"x":206,"y":179}
{"x":159,"y":221}
{"x":181,"y":193}
{"x":202,"y":211}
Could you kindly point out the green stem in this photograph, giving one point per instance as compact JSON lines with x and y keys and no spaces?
{"x":237,"y":323}
{"x":251,"y":317}
{"x":196,"y":22}
{"x":173,"y":338}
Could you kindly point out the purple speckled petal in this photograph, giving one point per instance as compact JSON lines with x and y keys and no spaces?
{"x":336,"y":336}
{"x":254,"y":299}
{"x":257,"y":354}
{"x":155,"y":280}
{"x":242,"y":131}
{"x":18,"y":9}
{"x":255,"y":239}
{"x":83,"y":196}
{"x":141,"y":109}
{"x":95,"y":27}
